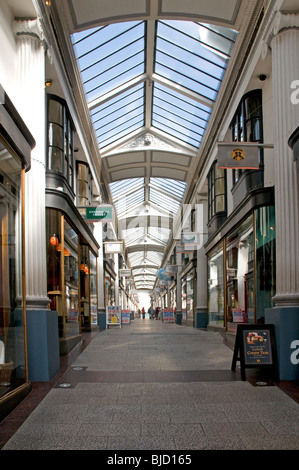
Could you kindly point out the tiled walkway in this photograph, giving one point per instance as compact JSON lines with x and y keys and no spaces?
{"x":156,"y":386}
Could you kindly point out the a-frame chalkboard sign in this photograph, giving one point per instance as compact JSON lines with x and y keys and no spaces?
{"x":255,"y":347}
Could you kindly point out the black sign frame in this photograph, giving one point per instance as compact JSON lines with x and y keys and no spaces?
{"x":255,"y":347}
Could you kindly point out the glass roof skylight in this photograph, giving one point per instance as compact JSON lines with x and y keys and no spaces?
{"x":179,"y":115}
{"x":139,"y":80}
{"x":166,"y":193}
{"x":126,"y":194}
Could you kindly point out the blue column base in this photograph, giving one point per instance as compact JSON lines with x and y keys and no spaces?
{"x":286,"y":323}
{"x":178,"y":318}
{"x":42,"y":345}
{"x":201,"y":319}
{"x":102,"y":319}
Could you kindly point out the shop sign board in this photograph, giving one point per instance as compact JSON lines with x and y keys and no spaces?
{"x":237,"y":156}
{"x":113,"y":315}
{"x":184,"y":248}
{"x":113,"y":247}
{"x":171,"y":269}
{"x":125,"y":317}
{"x":100,"y":213}
{"x":124,"y":272}
{"x":191,"y":239}
{"x":168,"y":315}
{"x":255,"y":347}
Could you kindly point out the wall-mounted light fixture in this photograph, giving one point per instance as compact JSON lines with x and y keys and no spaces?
{"x":48,"y":83}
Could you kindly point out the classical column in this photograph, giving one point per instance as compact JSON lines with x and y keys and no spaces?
{"x":31,"y":104}
{"x":285,"y":70}
{"x":41,"y":322}
{"x":98,"y":234}
{"x":201,"y":301}
{"x":179,"y":290}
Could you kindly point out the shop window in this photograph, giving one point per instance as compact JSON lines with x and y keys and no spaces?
{"x":84,"y":185}
{"x":60,"y":139}
{"x":93,"y":289}
{"x":247,"y":125}
{"x":88,"y":288}
{"x":216,"y":191}
{"x":265,"y":260}
{"x":12,"y":351}
{"x":216,"y":287}
{"x":62,"y":272}
{"x":240,"y":275}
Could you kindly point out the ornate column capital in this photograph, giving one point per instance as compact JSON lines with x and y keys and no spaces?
{"x":29,"y":28}
{"x":280,"y":22}
{"x":283,"y":21}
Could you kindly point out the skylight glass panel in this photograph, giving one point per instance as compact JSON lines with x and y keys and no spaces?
{"x":173,"y":187}
{"x":110,"y":56}
{"x":166,"y":203}
{"x":122,"y":187}
{"x":122,"y":114}
{"x":159,"y":233}
{"x":179,"y":115}
{"x":129,"y":201}
{"x":182,"y":58}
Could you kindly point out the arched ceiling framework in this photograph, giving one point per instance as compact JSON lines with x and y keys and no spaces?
{"x":151,"y":73}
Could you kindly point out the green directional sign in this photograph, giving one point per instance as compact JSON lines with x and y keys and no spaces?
{"x":101,"y":213}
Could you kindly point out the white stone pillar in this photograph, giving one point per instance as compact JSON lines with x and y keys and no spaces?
{"x":116,"y":287}
{"x":285,"y":315}
{"x":285,"y":69}
{"x":31,"y":105}
{"x":201,"y":305}
{"x":98,"y":234}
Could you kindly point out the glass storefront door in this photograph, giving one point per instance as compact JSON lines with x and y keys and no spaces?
{"x":216,"y":286}
{"x":13,"y":368}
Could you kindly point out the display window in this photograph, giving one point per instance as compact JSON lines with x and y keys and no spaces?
{"x":88,"y":288}
{"x":63,"y":277}
{"x":240,"y":275}
{"x":265,"y":247}
{"x":216,"y":286}
{"x":109,"y":290}
{"x":188,"y":296}
{"x":13,"y":367}
{"x":71,"y":280}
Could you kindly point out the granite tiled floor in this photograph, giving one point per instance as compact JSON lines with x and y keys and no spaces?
{"x":153,"y":386}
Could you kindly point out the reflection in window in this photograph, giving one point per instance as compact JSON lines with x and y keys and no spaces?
{"x":216,"y":287}
{"x":60,"y":139}
{"x":216,"y":191}
{"x":247,"y":124}
{"x":71,"y":279}
{"x":12,"y":353}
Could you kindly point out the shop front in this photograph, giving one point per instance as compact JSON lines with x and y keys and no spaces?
{"x":15,"y":148}
{"x":188,"y":286}
{"x":241,"y":272}
{"x":110,"y":279}
{"x":72,"y":284}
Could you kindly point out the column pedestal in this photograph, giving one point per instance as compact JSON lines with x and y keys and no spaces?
{"x":43,"y":345}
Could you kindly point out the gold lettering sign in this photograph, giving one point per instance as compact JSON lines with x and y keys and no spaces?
{"x":238,"y":154}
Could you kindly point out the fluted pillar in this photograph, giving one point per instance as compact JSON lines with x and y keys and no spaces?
{"x":201,"y":305}
{"x":284,"y":45}
{"x":41,"y":322}
{"x":285,"y":68}
{"x":31,"y":79}
{"x":98,"y":234}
